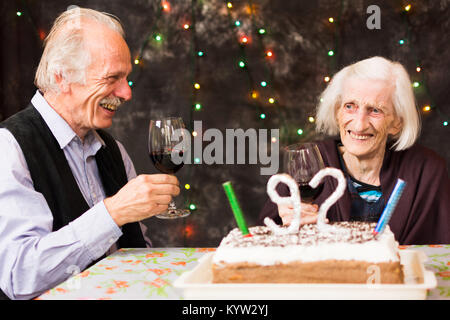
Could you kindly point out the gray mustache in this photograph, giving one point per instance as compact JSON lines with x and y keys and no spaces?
{"x":116,"y":101}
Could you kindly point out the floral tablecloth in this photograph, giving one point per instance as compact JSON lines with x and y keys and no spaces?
{"x":150,"y":273}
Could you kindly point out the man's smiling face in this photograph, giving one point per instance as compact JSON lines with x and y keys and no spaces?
{"x":366,"y":117}
{"x":106,"y":86}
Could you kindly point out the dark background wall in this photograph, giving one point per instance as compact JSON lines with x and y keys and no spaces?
{"x":300,"y":36}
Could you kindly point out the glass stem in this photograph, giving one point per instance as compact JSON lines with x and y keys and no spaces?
{"x":172,"y":206}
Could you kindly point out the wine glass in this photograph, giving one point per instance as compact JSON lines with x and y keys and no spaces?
{"x":166,"y":147}
{"x":302,"y":161}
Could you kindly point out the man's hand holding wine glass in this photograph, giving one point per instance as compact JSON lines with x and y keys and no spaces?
{"x":142,"y":197}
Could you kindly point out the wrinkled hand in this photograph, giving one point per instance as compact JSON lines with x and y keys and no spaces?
{"x":308,"y":214}
{"x":142,"y":197}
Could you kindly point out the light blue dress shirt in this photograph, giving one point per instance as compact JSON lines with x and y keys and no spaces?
{"x":34,"y":259}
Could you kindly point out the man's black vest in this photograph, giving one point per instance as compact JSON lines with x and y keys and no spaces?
{"x":52,"y":176}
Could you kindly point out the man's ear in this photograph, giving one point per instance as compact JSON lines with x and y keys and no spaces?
{"x":63,"y":85}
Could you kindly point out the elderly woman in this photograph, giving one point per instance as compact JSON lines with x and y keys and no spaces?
{"x":371,"y":105}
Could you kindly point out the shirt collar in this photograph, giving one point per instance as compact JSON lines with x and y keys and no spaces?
{"x":60,"y":129}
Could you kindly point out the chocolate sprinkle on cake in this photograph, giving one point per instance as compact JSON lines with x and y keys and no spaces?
{"x":348,"y":232}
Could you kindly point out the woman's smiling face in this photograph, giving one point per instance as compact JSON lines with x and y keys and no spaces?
{"x":366,"y":117}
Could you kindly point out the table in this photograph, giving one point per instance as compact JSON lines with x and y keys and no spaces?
{"x":149,"y":274}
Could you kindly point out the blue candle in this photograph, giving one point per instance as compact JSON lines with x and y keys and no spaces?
{"x":390,"y":206}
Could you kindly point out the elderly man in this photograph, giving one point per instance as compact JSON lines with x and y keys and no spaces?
{"x":371,"y":105}
{"x":68,"y":191}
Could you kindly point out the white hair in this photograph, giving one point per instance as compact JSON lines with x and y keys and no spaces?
{"x":64,"y":48}
{"x":375,"y":68}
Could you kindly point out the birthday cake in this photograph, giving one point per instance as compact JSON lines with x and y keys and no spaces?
{"x":339,"y":252}
{"x":347,"y":253}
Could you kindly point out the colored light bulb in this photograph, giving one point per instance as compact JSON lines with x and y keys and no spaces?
{"x":263,"y":84}
{"x":299,"y":132}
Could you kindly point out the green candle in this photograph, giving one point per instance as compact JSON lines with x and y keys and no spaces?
{"x":236,"y":208}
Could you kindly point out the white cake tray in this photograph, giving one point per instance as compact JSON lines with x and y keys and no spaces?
{"x":196,"y":284}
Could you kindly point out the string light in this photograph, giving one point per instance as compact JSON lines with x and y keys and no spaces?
{"x":186,"y":26}
{"x":311,"y":119}
{"x":299,"y":132}
{"x":254,"y":94}
{"x":158,"y":37}
{"x":130,"y":83}
{"x":241,"y":64}
{"x":262,"y":115}
{"x":18,"y":13}
{"x":401,"y":42}
{"x":445,"y":123}
{"x":326,"y":79}
{"x":416,"y":84}
{"x":418,"y":69}
{"x":192,"y":207}
{"x":188,"y":231}
{"x":166,"y":6}
{"x":237,"y":23}
{"x":136,"y":61}
{"x":229,"y":5}
{"x":244,"y":39}
{"x":331,"y":19}
{"x":331,"y":53}
{"x":408,"y":7}
{"x":263,"y":83}
{"x":200,"y":53}
{"x":426,"y":108}
{"x":197,"y":160}
{"x":261,"y":31}
{"x":198,"y":106}
{"x":194,"y":133}
{"x":187,"y":186}
{"x":274,"y":139}
{"x":197,"y":86}
{"x":271,"y":100}
{"x":269,"y":53}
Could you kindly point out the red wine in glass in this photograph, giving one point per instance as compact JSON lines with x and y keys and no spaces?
{"x":163,"y":161}
{"x":166,"y":150}
{"x":302,"y":161}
